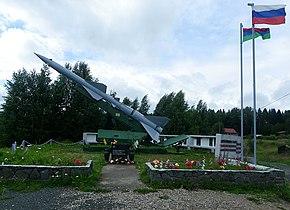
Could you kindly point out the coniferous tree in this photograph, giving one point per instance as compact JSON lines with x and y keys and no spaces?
{"x":233,"y":119}
{"x":144,"y":106}
{"x":203,"y":121}
{"x":135,"y":104}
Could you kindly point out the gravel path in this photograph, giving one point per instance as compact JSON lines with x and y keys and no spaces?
{"x":120,"y":178}
{"x":64,"y":198}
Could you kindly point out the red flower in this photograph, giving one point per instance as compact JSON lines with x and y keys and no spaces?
{"x":189,"y":164}
{"x":78,"y":161}
{"x":248,"y":168}
{"x":168,"y":165}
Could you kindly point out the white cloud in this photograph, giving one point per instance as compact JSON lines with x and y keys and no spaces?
{"x":149,"y":47}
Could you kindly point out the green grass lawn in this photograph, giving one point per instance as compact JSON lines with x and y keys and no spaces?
{"x":51,"y":155}
{"x":45,"y":155}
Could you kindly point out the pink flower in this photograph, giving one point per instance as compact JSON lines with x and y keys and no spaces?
{"x":155,"y":161}
{"x":78,"y":161}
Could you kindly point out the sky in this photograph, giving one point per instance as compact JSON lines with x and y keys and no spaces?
{"x":139,"y":47}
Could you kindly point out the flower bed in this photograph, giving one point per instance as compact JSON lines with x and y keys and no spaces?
{"x":222,"y":164}
{"x":198,"y":173}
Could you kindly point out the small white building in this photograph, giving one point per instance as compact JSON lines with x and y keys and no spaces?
{"x":90,"y":137}
{"x":195,"y":141}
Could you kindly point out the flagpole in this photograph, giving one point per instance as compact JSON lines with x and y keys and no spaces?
{"x":242,"y":97}
{"x":254,"y":87}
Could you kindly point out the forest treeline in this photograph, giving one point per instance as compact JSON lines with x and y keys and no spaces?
{"x":37,"y":109}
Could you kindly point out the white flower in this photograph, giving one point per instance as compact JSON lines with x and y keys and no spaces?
{"x":2,"y":163}
{"x":22,"y":158}
{"x":5,"y":159}
{"x":77,"y":176}
{"x":39,"y":147}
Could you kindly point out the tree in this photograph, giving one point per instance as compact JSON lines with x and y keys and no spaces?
{"x":220,"y":119}
{"x":135,"y":104}
{"x":14,"y":110}
{"x":26,"y":109}
{"x":233,"y":119}
{"x":127,"y":101}
{"x":35,"y":109}
{"x":75,"y":113}
{"x":41,"y":103}
{"x":144,"y":106}
{"x":191,"y":121}
{"x":287,"y":121}
{"x":163,"y":106}
{"x":202,"y":118}
{"x":2,"y":136}
{"x":175,"y":108}
{"x":248,"y":120}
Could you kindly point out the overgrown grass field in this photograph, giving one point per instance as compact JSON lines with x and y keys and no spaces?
{"x":267,"y":150}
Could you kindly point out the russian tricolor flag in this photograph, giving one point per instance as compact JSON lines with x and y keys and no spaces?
{"x":268,"y":14}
